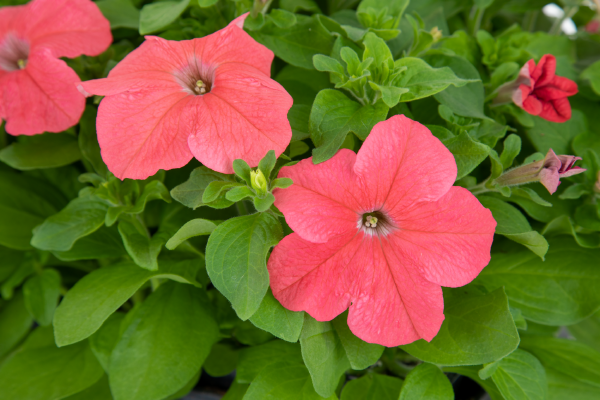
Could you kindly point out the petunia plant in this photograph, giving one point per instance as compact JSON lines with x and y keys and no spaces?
{"x":299,"y":199}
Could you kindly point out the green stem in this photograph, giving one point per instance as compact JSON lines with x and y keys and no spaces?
{"x":530,"y":20}
{"x":556,"y":26}
{"x":3,"y":137}
{"x":475,"y":19}
{"x":241,"y":207}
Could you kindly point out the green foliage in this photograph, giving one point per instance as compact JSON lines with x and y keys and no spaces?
{"x":142,"y":295}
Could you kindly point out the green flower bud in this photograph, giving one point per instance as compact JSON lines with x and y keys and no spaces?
{"x":259,"y":182}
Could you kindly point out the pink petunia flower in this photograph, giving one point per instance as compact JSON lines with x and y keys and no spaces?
{"x":210,"y":98}
{"x":38,"y":91}
{"x":547,"y":171}
{"x":540,"y":92}
{"x":379,"y":232}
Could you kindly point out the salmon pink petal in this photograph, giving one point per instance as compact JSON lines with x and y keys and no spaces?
{"x":42,"y":96}
{"x":396,"y":305}
{"x":448,"y":240}
{"x":143,"y":131}
{"x":244,"y":116}
{"x":68,"y":27}
{"x":324,"y":199}
{"x":10,"y":18}
{"x":316,"y":277}
{"x":401,"y":163}
{"x":390,"y":303}
{"x":239,"y":21}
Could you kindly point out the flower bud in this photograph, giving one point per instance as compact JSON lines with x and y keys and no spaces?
{"x":547,"y":171}
{"x":597,"y":185}
{"x":259,"y":182}
{"x":436,"y":33}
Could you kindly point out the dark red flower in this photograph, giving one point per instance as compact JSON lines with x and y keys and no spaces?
{"x":541,"y":92}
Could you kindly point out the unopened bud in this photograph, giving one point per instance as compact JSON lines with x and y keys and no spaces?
{"x":259,"y":182}
{"x":436,"y":33}
{"x":547,"y":171}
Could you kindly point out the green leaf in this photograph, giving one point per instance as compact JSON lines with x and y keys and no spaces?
{"x":592,"y":74}
{"x":98,"y":391}
{"x":422,"y":80}
{"x":360,"y":353}
{"x":49,"y":373}
{"x":426,"y":381}
{"x":15,"y":322}
{"x":300,"y":5}
{"x":216,"y":190}
{"x":328,"y":64}
{"x":88,"y":139}
{"x":372,"y":387}
{"x":471,"y":95}
{"x":206,"y":3}
{"x":97,"y":295}
{"x":472,"y":372}
{"x":389,"y":94}
{"x":297,"y":44}
{"x":564,"y":225}
{"x":267,"y":163}
{"x":514,"y":225}
{"x":254,"y":359}
{"x":263,"y":205}
{"x":334,"y":115}
{"x":572,"y":358}
{"x":478,"y":329}
{"x":272,"y":317}
{"x":239,"y":193}
{"x":41,"y":295}
{"x":30,"y":202}
{"x":530,"y":194}
{"x":512,"y":148}
{"x":242,"y":169}
{"x":157,"y":16}
{"x":559,"y":291}
{"x":323,"y":354}
{"x":236,"y":259}
{"x":221,"y":360}
{"x":587,"y":331}
{"x":195,"y":227}
{"x":173,"y":330}
{"x":547,"y":135}
{"x":81,"y":217}
{"x":394,"y":8}
{"x":190,"y":192}
{"x":142,"y":249}
{"x":521,"y":376}
{"x":120,"y":13}
{"x":49,"y":150}
{"x":105,"y":339}
{"x":282,"y":183}
{"x":561,"y":386}
{"x":467,"y":153}
{"x":104,"y":243}
{"x":281,"y":381}
{"x":574,"y":191}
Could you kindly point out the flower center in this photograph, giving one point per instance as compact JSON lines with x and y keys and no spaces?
{"x":376,"y":223}
{"x":195,"y":78}
{"x":14,"y":52}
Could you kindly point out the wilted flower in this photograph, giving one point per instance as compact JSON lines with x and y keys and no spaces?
{"x":378,"y":233}
{"x":540,"y":92}
{"x":38,"y":91}
{"x":209,"y":98}
{"x":547,"y":171}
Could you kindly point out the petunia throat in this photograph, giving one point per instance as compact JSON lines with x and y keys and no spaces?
{"x":14,"y":52}
{"x":376,"y":223}
{"x":195,"y":78}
